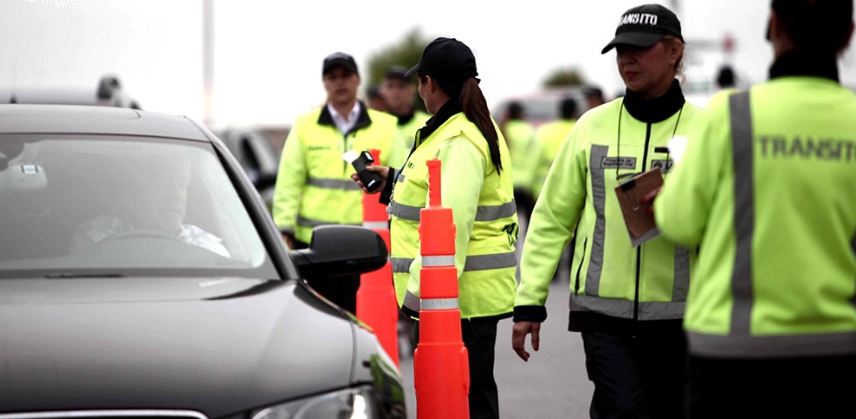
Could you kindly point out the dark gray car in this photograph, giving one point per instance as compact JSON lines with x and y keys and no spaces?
{"x":140,"y":276}
{"x":108,"y":93}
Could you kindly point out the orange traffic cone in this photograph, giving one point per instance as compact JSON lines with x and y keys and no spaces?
{"x":376,"y":305}
{"x":441,"y":368}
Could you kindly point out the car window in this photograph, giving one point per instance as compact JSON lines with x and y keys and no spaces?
{"x":118,"y":206}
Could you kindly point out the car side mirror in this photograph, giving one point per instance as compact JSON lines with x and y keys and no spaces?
{"x":337,"y":251}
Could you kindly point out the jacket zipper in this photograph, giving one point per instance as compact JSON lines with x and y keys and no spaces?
{"x":580,"y":268}
{"x":639,"y":248}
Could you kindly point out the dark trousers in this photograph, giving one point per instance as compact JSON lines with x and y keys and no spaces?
{"x":524,"y":201}
{"x":816,"y":387}
{"x":479,"y":337}
{"x":637,"y":374}
{"x":340,"y":291}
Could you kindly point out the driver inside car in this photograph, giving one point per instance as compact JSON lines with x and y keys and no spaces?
{"x":153,"y":202}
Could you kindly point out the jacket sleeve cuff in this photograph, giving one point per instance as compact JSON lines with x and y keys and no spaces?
{"x":535,"y":314}
{"x":386,"y":193}
{"x":410,"y":313}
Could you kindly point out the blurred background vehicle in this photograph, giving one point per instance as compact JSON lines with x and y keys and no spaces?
{"x":541,"y":106}
{"x":140,"y":276}
{"x":256,"y":155}
{"x":108,"y":93}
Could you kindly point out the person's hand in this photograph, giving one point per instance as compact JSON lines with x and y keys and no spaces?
{"x":289,"y":240}
{"x":518,"y":338}
{"x":383,"y":171}
{"x":648,"y":199}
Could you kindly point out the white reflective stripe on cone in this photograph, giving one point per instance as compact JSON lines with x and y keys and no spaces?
{"x":438,"y":260}
{"x":438,"y":303}
{"x":376,"y":225}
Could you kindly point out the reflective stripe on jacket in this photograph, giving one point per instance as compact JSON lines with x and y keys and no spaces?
{"x":767,"y":187}
{"x":485,"y":218}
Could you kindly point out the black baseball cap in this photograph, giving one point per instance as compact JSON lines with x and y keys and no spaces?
{"x":339,"y":59}
{"x":841,"y":9}
{"x":815,"y":24}
{"x":446,"y":59}
{"x":643,"y":26}
{"x":397,"y":72}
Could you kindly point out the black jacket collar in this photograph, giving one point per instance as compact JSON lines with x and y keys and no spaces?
{"x":657,"y":109}
{"x":798,"y":63}
{"x":404,"y":119}
{"x":446,"y":111}
{"x":363,"y":119}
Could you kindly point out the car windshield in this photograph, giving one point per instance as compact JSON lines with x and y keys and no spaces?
{"x":77,"y":205}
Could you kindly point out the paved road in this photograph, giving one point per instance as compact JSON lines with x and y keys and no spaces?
{"x":552,"y":384}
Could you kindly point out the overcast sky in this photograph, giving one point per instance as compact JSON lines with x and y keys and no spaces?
{"x":268,"y":53}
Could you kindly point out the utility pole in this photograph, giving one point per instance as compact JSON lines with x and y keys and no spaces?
{"x":208,"y":60}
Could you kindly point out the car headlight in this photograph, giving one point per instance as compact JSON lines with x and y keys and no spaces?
{"x":351,"y":403}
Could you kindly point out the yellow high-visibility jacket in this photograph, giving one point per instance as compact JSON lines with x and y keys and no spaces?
{"x":482,"y":201}
{"x":767,"y":188}
{"x":314,"y":185}
{"x":609,"y":276}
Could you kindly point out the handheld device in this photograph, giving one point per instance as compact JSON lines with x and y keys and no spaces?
{"x":361,"y":161}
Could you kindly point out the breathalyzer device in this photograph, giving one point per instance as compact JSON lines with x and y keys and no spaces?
{"x":361,"y":161}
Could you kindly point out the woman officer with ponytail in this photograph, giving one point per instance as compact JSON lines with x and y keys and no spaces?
{"x":477,"y":185}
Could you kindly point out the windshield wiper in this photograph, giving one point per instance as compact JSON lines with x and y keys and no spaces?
{"x":83,"y":275}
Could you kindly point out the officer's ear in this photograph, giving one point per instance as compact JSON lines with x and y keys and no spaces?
{"x":777,"y":34}
{"x":773,"y":26}
{"x":429,"y":83}
{"x":849,"y":36}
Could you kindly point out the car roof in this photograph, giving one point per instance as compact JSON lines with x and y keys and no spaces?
{"x":63,"y":119}
{"x":50,"y":96}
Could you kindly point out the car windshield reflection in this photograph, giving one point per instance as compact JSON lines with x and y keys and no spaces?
{"x":114,"y":206}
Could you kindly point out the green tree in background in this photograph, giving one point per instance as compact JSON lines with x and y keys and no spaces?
{"x":406,"y":52}
{"x":564,"y":77}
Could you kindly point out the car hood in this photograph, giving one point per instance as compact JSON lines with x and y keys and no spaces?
{"x":218,"y":346}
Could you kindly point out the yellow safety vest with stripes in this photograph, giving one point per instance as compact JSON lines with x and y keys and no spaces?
{"x":609,"y":276}
{"x":314,"y":185}
{"x":767,"y":188}
{"x":485,"y":219}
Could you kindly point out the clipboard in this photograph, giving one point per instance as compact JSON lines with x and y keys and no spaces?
{"x":639,"y":220}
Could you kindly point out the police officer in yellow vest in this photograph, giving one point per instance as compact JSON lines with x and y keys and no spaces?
{"x":477,"y":185}
{"x":313,"y":186}
{"x":627,"y":301}
{"x":548,"y":138}
{"x":521,"y":142}
{"x":399,"y":93}
{"x":767,"y":188}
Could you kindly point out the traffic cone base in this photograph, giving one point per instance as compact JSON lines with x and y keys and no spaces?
{"x":452,"y":400}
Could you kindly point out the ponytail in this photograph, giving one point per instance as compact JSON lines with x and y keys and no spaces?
{"x":475,"y":108}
